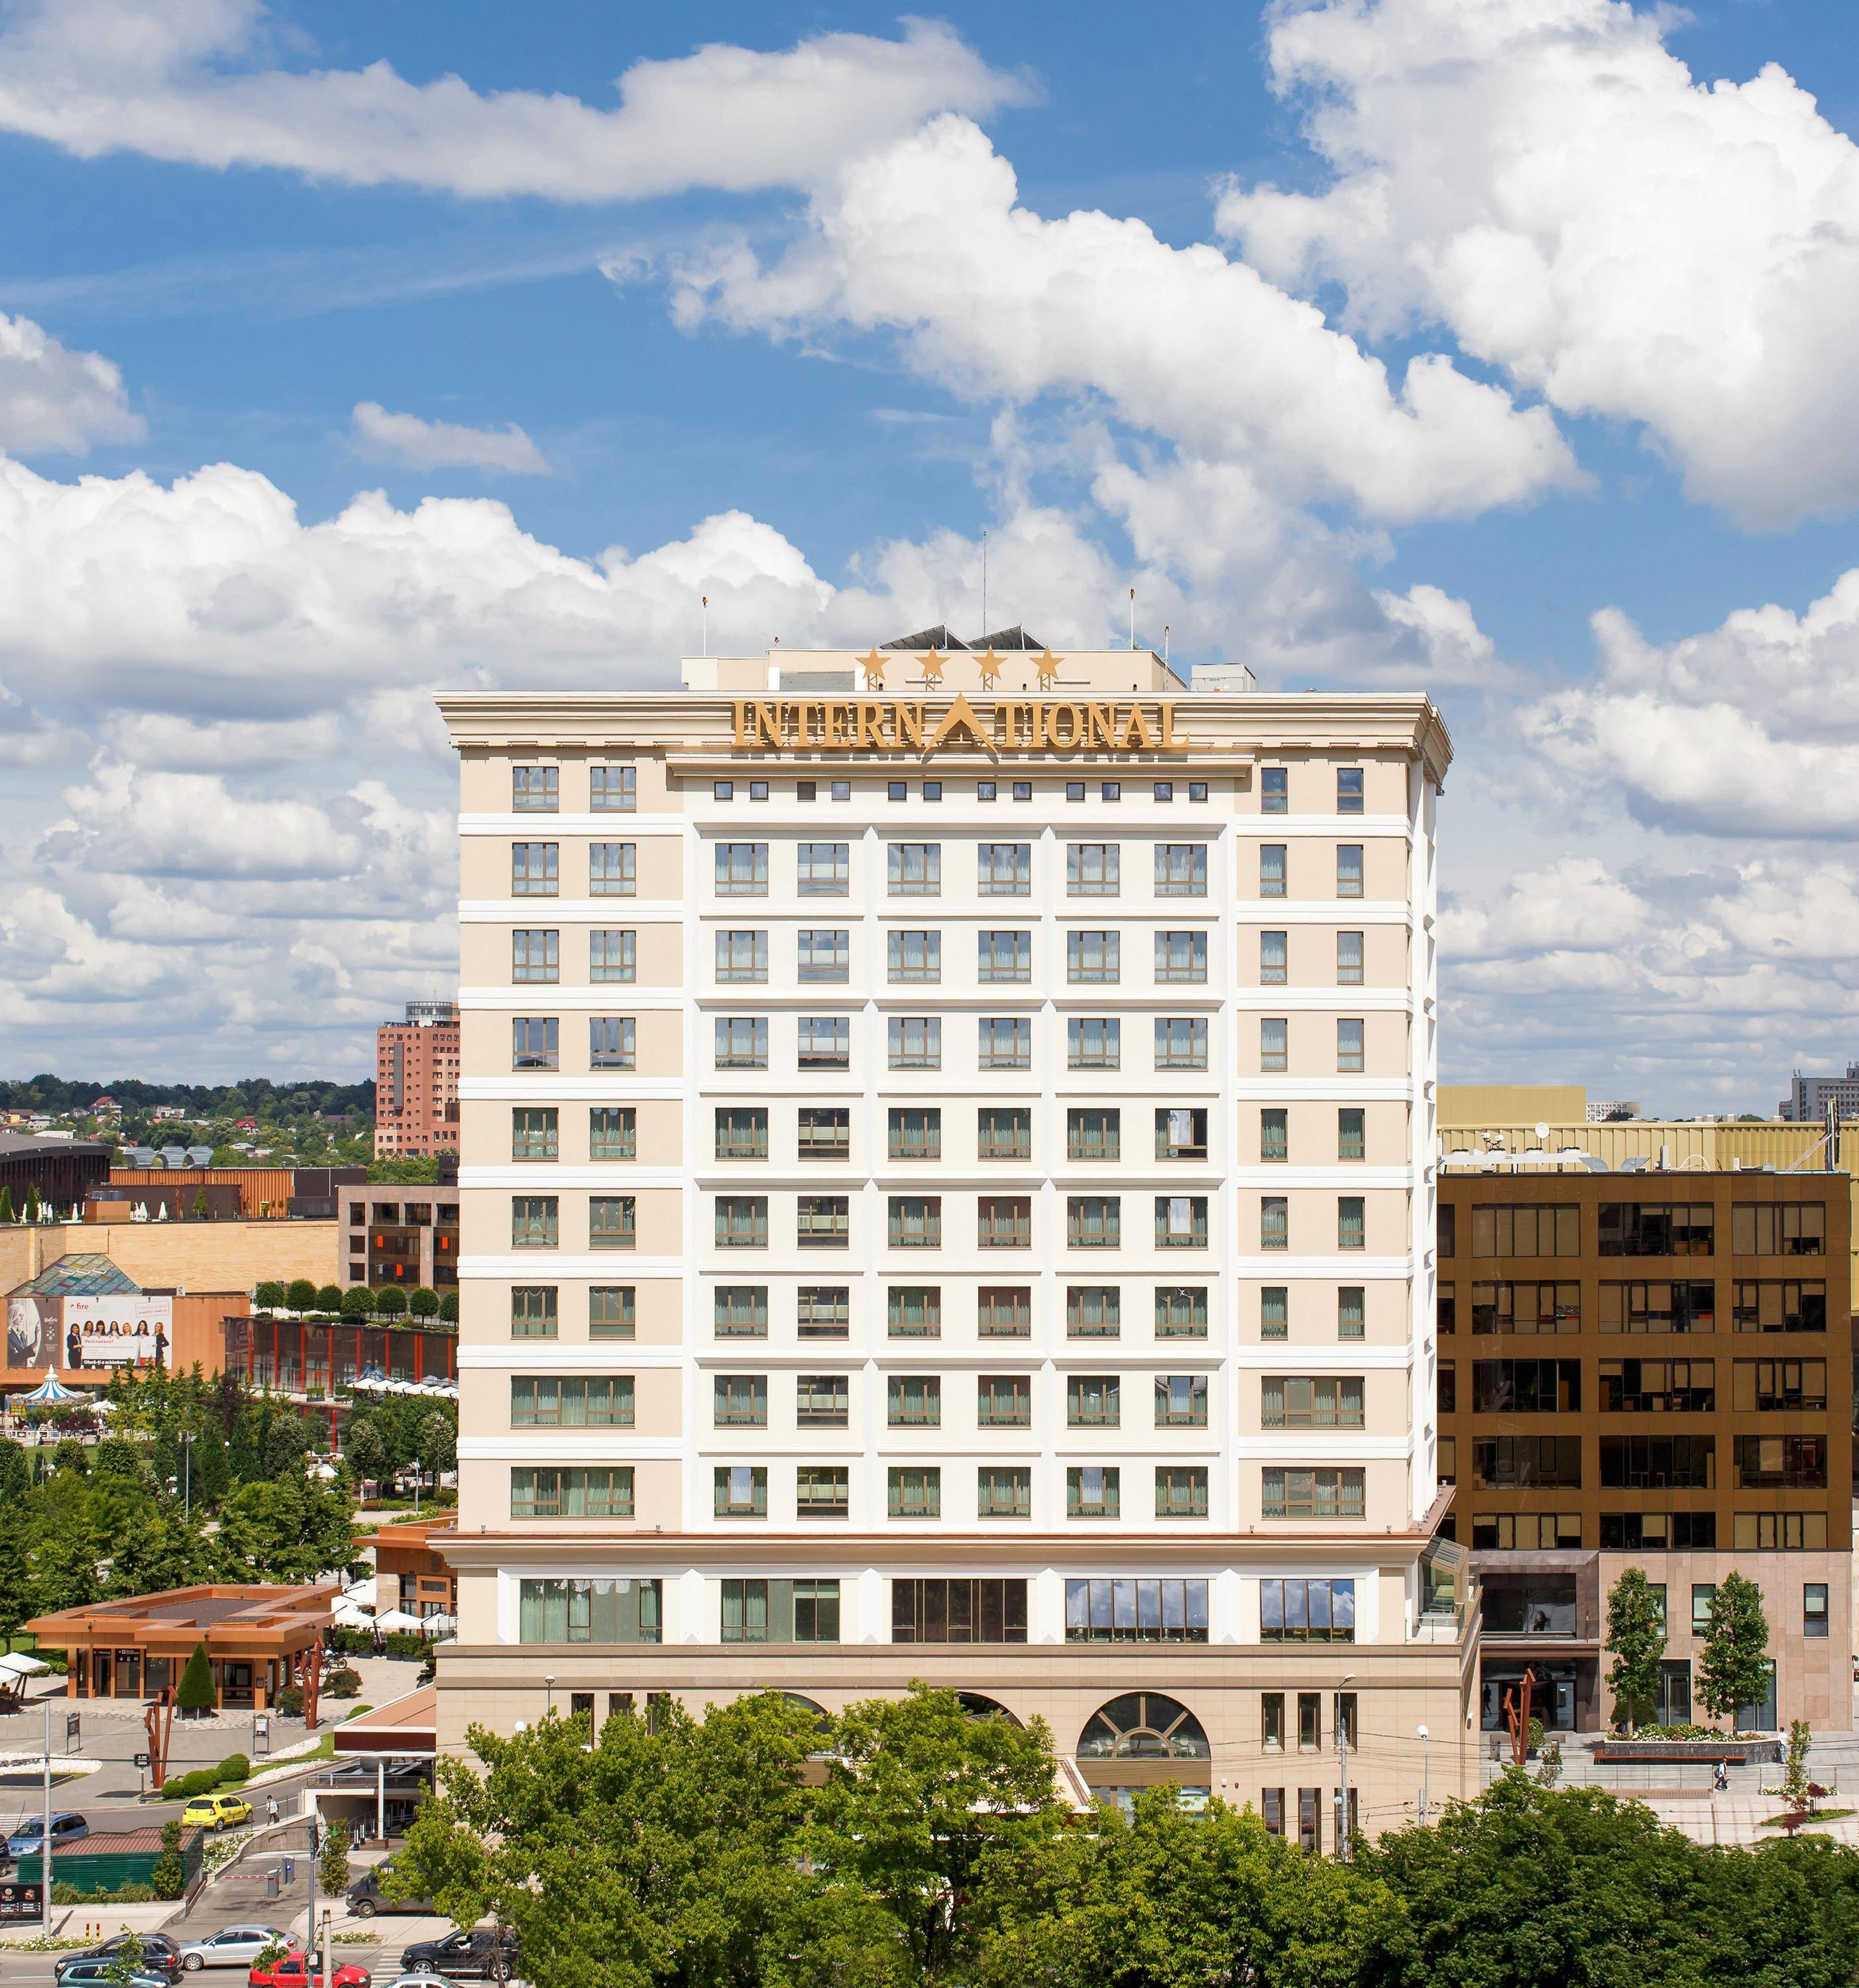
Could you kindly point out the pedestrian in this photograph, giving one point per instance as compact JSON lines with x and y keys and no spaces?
{"x":271,"y":1810}
{"x":1720,"y":1779}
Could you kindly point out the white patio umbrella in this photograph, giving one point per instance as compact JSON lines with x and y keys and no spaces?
{"x":398,"y":1619}
{"x":18,"y":1664}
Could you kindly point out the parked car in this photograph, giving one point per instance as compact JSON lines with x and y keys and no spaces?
{"x":417,"y":1981}
{"x":463,"y":1956}
{"x":67,"y":1826}
{"x":96,"y":1974}
{"x":217,"y":1811}
{"x":289,"y":1973}
{"x":366,"y":1896}
{"x":160,"y":1954}
{"x":234,"y":1946}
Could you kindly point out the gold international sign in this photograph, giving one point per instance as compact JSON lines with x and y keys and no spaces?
{"x":1002,"y":725}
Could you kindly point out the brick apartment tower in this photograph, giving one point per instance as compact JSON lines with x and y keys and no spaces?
{"x":416,"y":1082}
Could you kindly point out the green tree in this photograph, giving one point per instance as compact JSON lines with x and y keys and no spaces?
{"x":333,"y":1866}
{"x":126,"y":1963}
{"x":390,"y":1302}
{"x":329,"y":1299}
{"x":15,"y":1580}
{"x":15,"y":1474}
{"x":269,"y":1296}
{"x":156,"y":1551}
{"x":302,"y":1296}
{"x":358,"y":1302}
{"x":422,"y":1302}
{"x":168,"y":1879}
{"x":6,"y":1205}
{"x":199,"y":1210}
{"x":118,"y":1457}
{"x":1636,"y":1636}
{"x":1733,"y":1667}
{"x":208,"y":1469}
{"x":365,"y":1448}
{"x":64,"y":1567}
{"x":1794,"y":1776}
{"x":196,"y":1691}
{"x":72,"y":1456}
{"x":32,"y":1203}
{"x":438,"y":1447}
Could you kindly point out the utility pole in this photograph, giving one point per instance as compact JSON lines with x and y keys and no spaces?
{"x":309,"y":1915}
{"x":45,"y":1842}
{"x":1422,"y":1731}
{"x":1342,"y":1794}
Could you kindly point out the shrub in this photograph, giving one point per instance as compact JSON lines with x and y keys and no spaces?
{"x":201,"y":1781}
{"x":355,"y":1642}
{"x":170,"y":1788}
{"x":169,"y":1876}
{"x":334,"y":1867}
{"x":197,"y":1692}
{"x":330,"y":1298}
{"x":233,"y":1767}
{"x":268,"y":1296}
{"x":448,"y":1307}
{"x":422,"y":1302}
{"x":289,"y":1702}
{"x":302,"y":1294}
{"x":343,"y":1682}
{"x":390,"y":1302}
{"x":358,"y":1302}
{"x":404,"y":1643}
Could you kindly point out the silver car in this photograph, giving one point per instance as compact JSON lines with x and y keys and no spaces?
{"x":236,"y":1946}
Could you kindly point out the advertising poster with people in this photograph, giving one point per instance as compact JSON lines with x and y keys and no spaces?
{"x":129,"y":1329}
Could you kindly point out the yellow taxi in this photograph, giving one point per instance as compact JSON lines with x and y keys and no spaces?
{"x":217,"y":1811}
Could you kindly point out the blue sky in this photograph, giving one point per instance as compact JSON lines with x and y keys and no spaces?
{"x":786,"y":291}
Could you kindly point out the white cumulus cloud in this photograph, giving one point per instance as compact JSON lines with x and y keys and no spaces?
{"x":53,"y":400}
{"x":418,"y":444}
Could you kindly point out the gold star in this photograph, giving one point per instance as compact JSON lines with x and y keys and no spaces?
{"x":932,"y":667}
{"x":874,"y":667}
{"x":1048,"y":668}
{"x":989,"y":664}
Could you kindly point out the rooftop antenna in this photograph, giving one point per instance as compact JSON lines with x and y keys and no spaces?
{"x":1132,"y":617}
{"x":1164,"y":641}
{"x":984,"y":583}
{"x":706,"y":600}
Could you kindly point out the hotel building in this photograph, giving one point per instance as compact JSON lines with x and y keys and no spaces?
{"x":946,"y":1185}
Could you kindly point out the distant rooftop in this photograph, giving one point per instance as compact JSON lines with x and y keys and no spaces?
{"x":79,"y":1276}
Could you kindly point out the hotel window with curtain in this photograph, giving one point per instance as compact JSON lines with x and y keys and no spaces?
{"x":1271,"y":869}
{"x":824,"y":955}
{"x":535,"y":788}
{"x":613,"y":956}
{"x":1091,"y":870}
{"x":1181,"y":1221}
{"x":613,"y":869}
{"x":914,"y":956}
{"x":534,"y":869}
{"x":822,"y":869}
{"x":612,"y":789}
{"x":914,"y":869}
{"x":535,"y":956}
{"x":1273,"y":967}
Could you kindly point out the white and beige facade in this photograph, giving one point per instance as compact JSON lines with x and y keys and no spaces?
{"x":947,"y":1191}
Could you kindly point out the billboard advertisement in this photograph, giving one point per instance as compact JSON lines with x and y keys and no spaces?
{"x":31,"y":1332}
{"x":129,"y":1329}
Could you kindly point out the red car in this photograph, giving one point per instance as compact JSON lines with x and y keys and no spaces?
{"x":288,"y":1973}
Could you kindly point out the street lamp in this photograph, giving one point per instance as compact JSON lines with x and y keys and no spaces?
{"x":549,"y":1695}
{"x":1342,"y":1793}
{"x":187,"y":1451}
{"x":1422,"y":1731}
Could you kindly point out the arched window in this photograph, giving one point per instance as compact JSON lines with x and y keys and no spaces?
{"x":823,"y":1718}
{"x":1143,"y":1726}
{"x":977,"y":1705}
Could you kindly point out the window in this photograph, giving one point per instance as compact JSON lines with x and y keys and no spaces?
{"x":1003,"y":1222}
{"x":1351,"y":1133}
{"x":1671,"y":1463}
{"x":1093,"y":1491}
{"x":958,"y":1611}
{"x":1446,"y":1230}
{"x":913,"y":1313}
{"x":1658,"y":1531}
{"x":535,"y":955}
{"x":613,"y":956}
{"x":612,"y":1222}
{"x":1772,"y":1386}
{"x":1074,"y":790}
{"x":1135,"y":1611}
{"x":1778,"y":1305}
{"x":822,"y":1400}
{"x":612,"y":1042}
{"x":535,"y":1221}
{"x":823,"y":1491}
{"x":823,"y":1311}
{"x":916,"y":1041}
{"x":535,"y":1043}
{"x":1657,"y":1306}
{"x":571,"y":1494}
{"x":611,"y":1311}
{"x":1445,"y":1310}
{"x":741,"y":1132}
{"x":1275,"y":1223}
{"x":914,"y":869}
{"x":1095,"y":1134}
{"x":1526,"y":1532}
{"x":613,"y":869}
{"x":1093,"y":1042}
{"x":1092,"y":1311}
{"x":1022,"y":790}
{"x":985,"y":790}
{"x":1290,"y":1401}
{"x":1274,"y":1038}
{"x":824,"y":1042}
{"x":1180,"y":1042}
{"x":841,"y":790}
{"x":914,"y":1491}
{"x":1003,"y":1400}
{"x":1657,"y":1229}
{"x":1813,"y":1608}
{"x":1181,"y":1132}
{"x":1778,"y":1229}
{"x":825,"y":955}
{"x":1180,"y":869}
{"x":740,"y":1311}
{"x":1181,"y":1311}
{"x":742,"y":869}
{"x":1272,"y":1731}
{"x":741,"y":1042}
{"x":1349,"y":790}
{"x":896,"y":790}
{"x":1273,"y":969}
{"x":613,"y":789}
{"x":916,"y":1133}
{"x":742,"y":1221}
{"x":1180,"y":1491}
{"x":1005,"y":1041}
{"x":1781,"y":1462}
{"x":722,"y":790}
{"x":1093,"y":956}
{"x":1349,"y":959}
{"x":1181,"y":1221}
{"x":1523,"y":1230}
{"x":612,"y":1132}
{"x":534,"y":869}
{"x":822,"y":869}
{"x":740,"y":1399}
{"x":1781,"y":1532}
{"x":780,"y":1611}
{"x":1351,"y":1301}
{"x":535,"y":788}
{"x":914,"y":1401}
{"x":1004,"y":869}
{"x":1349,"y":1053}
{"x":533,"y":1134}
{"x":823,"y":1222}
{"x":1659,"y":1387}
{"x":1274,"y":789}
{"x":914,"y":955}
{"x":932,"y":790}
{"x":532,"y":1312}
{"x":1350,"y":1221}
{"x":1003,"y":1311}
{"x":1111,"y":790}
{"x":1003,"y":1132}
{"x":1272,"y":870}
{"x":1091,"y":869}
{"x":741,"y":1491}
{"x":1181,"y":956}
{"x":1349,"y":870}
{"x":1164,"y":790}
{"x":1525,"y":1387}
{"x":1004,"y":955}
{"x":1093,"y":1221}
{"x":600,"y":1400}
{"x":1312,"y":1494}
{"x":1528,"y":1463}
{"x":1181,"y":1401}
{"x":1297,"y":1610}
{"x":916,"y":1222}
{"x":1003,"y":1493}
{"x":742,"y":955}
{"x":598,"y":1611}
